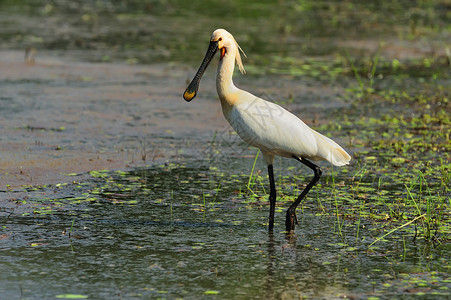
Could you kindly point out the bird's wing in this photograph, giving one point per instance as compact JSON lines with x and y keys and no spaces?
{"x":277,"y":131}
{"x":331,"y":151}
{"x":273,"y":129}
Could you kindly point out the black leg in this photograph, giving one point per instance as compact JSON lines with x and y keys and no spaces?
{"x":291,"y":212}
{"x":272,"y":197}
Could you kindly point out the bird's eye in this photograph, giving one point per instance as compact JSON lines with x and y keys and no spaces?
{"x":220,"y":39}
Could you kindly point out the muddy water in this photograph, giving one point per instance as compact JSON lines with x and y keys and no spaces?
{"x":66,"y":117}
{"x":172,"y":218}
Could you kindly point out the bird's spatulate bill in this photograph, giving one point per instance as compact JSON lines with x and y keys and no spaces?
{"x":191,"y":90}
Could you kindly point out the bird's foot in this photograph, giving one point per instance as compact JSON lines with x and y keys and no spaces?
{"x":291,"y":219}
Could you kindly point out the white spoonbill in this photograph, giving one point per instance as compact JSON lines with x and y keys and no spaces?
{"x":265,"y":125}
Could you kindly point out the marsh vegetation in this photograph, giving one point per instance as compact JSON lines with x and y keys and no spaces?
{"x":185,"y":214}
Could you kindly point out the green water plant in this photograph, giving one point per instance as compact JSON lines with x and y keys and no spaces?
{"x":71,"y":227}
{"x":428,"y":205}
{"x":395,"y":229}
{"x":252,"y":178}
{"x":365,"y":89}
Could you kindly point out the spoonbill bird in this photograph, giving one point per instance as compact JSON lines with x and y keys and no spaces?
{"x":265,"y":125}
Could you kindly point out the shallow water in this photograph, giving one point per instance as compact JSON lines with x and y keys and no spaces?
{"x":164,"y":233}
{"x":179,"y":211}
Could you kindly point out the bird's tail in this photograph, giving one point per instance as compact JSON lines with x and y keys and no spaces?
{"x":331,"y":151}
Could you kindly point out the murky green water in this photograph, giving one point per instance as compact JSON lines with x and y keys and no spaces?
{"x":191,"y":221}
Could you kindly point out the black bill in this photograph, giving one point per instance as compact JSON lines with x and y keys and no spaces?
{"x":191,"y":90}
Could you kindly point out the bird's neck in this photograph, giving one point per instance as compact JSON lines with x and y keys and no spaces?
{"x":224,"y":83}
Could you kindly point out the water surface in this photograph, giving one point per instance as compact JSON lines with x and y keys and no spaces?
{"x":180,"y":212}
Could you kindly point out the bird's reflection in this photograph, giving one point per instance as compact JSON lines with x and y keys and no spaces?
{"x":269,"y":284}
{"x":288,"y":248}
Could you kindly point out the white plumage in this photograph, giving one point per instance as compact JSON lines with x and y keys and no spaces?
{"x":263,"y":124}
{"x":276,"y":131}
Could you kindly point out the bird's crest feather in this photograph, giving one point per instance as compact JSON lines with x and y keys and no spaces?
{"x":238,"y":58}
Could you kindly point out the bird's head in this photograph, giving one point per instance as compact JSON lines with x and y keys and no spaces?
{"x":227,"y":43}
{"x":220,"y":40}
